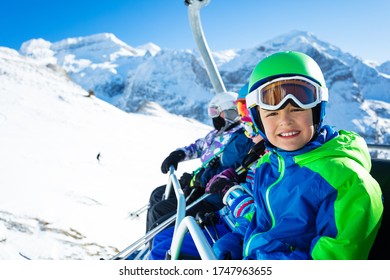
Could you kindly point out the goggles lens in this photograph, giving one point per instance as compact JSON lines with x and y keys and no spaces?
{"x":304,"y":92}
{"x":241,"y":108}
{"x":213,"y":111}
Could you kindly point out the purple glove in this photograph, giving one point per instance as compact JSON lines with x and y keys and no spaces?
{"x":222,"y":182}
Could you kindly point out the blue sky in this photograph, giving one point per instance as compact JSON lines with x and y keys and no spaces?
{"x":360,"y":27}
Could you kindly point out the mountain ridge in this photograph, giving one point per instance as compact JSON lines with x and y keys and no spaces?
{"x":178,"y":81}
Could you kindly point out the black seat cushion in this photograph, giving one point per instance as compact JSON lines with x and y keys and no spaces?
{"x":381,"y":172}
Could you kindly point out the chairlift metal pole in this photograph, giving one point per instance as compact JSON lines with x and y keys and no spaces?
{"x":152,"y":233}
{"x":201,"y":243}
{"x":378,"y":146}
{"x":194,"y":7}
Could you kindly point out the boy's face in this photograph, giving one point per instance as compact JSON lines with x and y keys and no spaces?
{"x":289,"y":128}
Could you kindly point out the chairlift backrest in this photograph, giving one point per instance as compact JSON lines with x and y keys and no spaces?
{"x":381,"y":172}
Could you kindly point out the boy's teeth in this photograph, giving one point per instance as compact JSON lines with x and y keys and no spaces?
{"x":289,"y":133}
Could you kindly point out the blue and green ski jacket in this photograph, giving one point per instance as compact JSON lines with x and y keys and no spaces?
{"x":319,"y":202}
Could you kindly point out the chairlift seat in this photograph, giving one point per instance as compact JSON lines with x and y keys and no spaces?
{"x":381,"y":172}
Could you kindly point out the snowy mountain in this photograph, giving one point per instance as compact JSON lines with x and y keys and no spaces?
{"x":58,"y":200}
{"x":384,"y":68}
{"x":176,"y":79}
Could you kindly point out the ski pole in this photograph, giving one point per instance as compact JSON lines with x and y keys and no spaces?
{"x":138,"y":212}
{"x":152,"y":233}
{"x":202,"y":220}
{"x":254,"y":154}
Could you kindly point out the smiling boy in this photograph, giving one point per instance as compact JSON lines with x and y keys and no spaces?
{"x":314,"y":196}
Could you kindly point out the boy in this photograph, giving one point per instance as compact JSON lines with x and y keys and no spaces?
{"x":314,"y":196}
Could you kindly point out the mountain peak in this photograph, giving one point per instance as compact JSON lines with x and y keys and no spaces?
{"x":152,"y":48}
{"x":294,"y":38}
{"x":91,"y":39}
{"x":39,"y":49}
{"x":102,"y":42}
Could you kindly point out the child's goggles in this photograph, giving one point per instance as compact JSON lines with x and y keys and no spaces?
{"x":241,"y":107}
{"x":272,"y":95}
{"x":214,"y":111}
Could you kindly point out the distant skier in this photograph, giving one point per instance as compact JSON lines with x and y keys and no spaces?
{"x":90,"y":93}
{"x":98,"y":157}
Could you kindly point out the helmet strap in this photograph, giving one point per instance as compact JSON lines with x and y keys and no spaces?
{"x":316,"y":111}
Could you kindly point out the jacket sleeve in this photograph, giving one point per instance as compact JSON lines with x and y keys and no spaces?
{"x":240,"y":201}
{"x":243,"y":208}
{"x":232,"y":156}
{"x":194,"y":150}
{"x":358,"y":209}
{"x":236,"y":150}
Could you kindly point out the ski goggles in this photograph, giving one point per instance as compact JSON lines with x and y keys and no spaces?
{"x":214,"y":111}
{"x":246,"y":120}
{"x":272,"y":95}
{"x":241,"y":107}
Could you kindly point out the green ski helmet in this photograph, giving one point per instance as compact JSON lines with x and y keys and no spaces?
{"x":287,"y":64}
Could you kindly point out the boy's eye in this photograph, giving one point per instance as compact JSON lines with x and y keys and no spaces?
{"x":270,"y":114}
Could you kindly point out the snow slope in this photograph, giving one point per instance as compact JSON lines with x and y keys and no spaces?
{"x":57,"y":200}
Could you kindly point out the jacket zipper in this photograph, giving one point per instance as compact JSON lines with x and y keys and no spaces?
{"x":281,"y":170}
